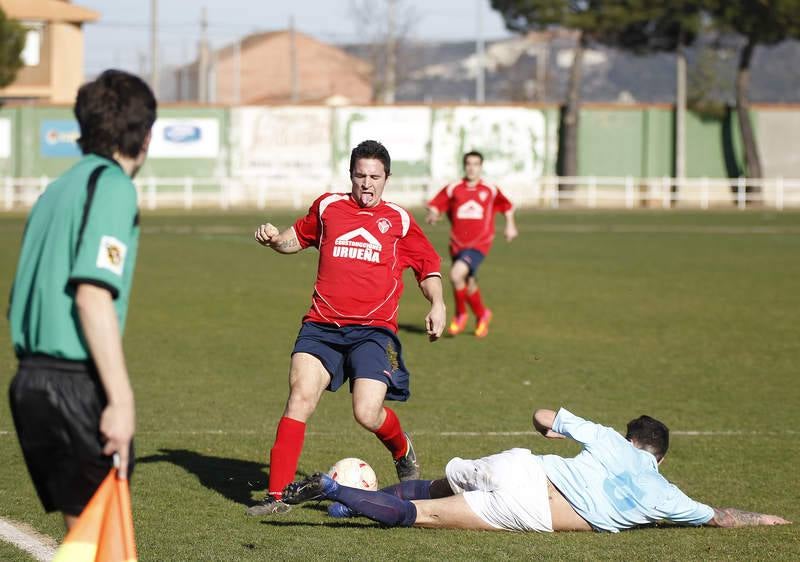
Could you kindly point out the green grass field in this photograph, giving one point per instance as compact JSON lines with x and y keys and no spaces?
{"x":692,"y":318}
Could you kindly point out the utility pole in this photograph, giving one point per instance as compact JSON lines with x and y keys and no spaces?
{"x":480,"y":50}
{"x":237,"y":71}
{"x":294,"y":89}
{"x":391,"y":55}
{"x":154,"y":46}
{"x":202,"y":59}
{"x":680,"y":114}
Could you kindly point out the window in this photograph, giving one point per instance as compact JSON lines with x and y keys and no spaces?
{"x":31,"y":53}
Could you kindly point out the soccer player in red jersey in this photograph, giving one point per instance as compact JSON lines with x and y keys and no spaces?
{"x":471,"y":205}
{"x":349,"y":332}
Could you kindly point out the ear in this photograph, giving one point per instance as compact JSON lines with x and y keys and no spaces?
{"x":146,"y":143}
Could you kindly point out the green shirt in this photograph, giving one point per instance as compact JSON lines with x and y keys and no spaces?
{"x":75,"y":234}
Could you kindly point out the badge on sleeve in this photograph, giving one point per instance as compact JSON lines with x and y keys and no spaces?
{"x":111,"y":255}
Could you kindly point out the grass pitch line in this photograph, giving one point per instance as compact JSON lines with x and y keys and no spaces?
{"x":39,"y":546}
{"x":689,"y":433}
{"x":686,"y":433}
{"x":227,"y":232}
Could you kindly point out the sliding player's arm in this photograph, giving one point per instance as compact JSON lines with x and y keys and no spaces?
{"x":543,"y":423}
{"x":730,"y":517}
{"x":282,"y":242}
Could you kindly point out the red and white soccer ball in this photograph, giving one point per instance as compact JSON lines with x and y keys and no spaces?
{"x":354,"y":473}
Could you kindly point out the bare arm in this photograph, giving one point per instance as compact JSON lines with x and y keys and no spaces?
{"x":511,"y":226}
{"x":100,"y":328}
{"x":431,"y":287}
{"x":282,"y":242}
{"x":543,"y":423}
{"x":730,"y":517}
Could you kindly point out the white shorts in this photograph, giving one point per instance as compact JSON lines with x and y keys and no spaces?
{"x":507,"y":490}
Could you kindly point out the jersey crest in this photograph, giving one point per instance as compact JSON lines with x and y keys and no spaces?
{"x":384,"y":225}
{"x":470,"y":210}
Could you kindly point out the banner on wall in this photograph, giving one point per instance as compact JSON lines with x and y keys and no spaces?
{"x":58,"y":138}
{"x":185,"y":138}
{"x":5,"y":138}
{"x":511,"y":139}
{"x":283,"y":144}
{"x":404,"y":131}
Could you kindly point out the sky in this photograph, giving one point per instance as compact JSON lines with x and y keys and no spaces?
{"x":121,"y":37}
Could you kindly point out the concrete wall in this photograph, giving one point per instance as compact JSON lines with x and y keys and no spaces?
{"x":288,"y":144}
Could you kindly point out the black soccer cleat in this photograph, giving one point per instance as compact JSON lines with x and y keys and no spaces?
{"x":315,"y":487}
{"x":269,"y":506}
{"x":407,"y":466}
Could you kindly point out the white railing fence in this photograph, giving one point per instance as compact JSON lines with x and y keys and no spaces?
{"x":544,"y":192}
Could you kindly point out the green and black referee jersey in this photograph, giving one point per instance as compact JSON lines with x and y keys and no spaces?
{"x":83,"y":229}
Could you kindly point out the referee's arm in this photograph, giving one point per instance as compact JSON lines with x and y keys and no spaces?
{"x":101,"y":329}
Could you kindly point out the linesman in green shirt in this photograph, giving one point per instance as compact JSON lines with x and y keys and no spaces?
{"x":71,"y":399}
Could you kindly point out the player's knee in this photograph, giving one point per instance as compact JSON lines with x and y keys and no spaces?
{"x":300,"y":404}
{"x":367,"y":416}
{"x":458,"y":276}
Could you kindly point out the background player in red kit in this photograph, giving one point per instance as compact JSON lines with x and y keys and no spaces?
{"x":471,"y":205}
{"x":364,"y":245}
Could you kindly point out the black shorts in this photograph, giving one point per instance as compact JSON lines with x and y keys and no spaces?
{"x":56,"y":405}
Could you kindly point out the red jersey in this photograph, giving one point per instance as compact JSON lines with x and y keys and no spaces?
{"x":362,"y":255}
{"x":471,"y":211}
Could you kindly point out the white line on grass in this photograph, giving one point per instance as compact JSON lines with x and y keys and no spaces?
{"x":226,"y":232}
{"x":688,"y":433}
{"x":40,"y":547}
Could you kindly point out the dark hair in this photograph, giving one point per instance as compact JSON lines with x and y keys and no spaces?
{"x":650,"y":434}
{"x":371,"y":149}
{"x":115,"y":112}
{"x":471,"y":153}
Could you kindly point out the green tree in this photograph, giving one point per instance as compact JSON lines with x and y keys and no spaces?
{"x":593,"y":21}
{"x":12,"y":41}
{"x":666,"y":26}
{"x":760,"y":22}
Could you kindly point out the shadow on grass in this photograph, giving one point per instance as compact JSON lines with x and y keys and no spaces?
{"x":332,"y":524}
{"x":232,"y":478}
{"x":412,"y":328}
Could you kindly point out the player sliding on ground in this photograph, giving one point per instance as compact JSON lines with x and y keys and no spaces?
{"x":364,"y":245}
{"x":613,"y":484}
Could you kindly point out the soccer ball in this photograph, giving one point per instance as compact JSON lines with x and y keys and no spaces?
{"x":354,"y":473}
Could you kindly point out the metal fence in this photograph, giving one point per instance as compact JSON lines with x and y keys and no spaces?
{"x":545,"y":192}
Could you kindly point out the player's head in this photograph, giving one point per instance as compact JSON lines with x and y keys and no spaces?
{"x":650,"y":435}
{"x":473,"y":165}
{"x":370,"y":167}
{"x":116,"y":112}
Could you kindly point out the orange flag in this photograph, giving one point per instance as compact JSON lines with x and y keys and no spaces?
{"x":104,"y":531}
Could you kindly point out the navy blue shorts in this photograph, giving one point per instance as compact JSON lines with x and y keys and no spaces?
{"x":473,"y":258}
{"x":356,"y":352}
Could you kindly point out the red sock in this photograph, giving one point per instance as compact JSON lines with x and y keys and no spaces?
{"x":461,"y":301}
{"x":391,"y":435}
{"x":284,"y":454}
{"x":476,"y":304}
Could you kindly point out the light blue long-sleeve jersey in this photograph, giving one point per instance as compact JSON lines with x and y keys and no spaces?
{"x":614,"y":485}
